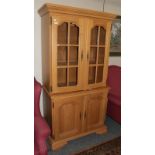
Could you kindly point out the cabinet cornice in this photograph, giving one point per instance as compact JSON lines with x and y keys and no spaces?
{"x":55,"y":8}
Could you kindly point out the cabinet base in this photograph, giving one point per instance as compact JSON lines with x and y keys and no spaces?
{"x":102,"y":130}
{"x":59,"y":144}
{"x":55,"y":145}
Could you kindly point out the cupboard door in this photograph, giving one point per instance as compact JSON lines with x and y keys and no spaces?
{"x":97,"y":52}
{"x":66,"y":53}
{"x":96,"y":106}
{"x":68,"y":117}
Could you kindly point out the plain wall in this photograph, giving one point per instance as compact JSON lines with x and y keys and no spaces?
{"x":112,"y":6}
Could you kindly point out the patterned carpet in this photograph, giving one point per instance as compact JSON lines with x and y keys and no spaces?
{"x":112,"y":147}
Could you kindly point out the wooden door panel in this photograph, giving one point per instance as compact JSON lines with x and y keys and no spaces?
{"x":96,"y":105}
{"x":67,"y":34}
{"x":98,"y":39}
{"x":68,"y":117}
{"x":94,"y":110}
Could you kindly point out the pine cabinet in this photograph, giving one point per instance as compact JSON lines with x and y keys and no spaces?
{"x":75,"y":51}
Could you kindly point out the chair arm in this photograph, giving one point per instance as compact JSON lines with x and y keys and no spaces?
{"x":40,"y":127}
{"x":113,"y":98}
{"x":115,"y":95}
{"x":41,"y":132}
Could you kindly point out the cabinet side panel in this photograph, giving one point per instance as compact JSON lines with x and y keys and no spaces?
{"x":47,"y":106}
{"x":45,"y":32}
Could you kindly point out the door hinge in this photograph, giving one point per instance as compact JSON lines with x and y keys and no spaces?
{"x":81,"y":55}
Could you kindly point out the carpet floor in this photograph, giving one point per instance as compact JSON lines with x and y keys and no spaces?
{"x":112,"y":147}
{"x":83,"y":143}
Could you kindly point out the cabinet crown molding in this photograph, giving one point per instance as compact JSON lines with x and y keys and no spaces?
{"x":55,"y":8}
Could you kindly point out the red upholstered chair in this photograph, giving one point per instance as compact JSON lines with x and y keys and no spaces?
{"x":114,"y":97}
{"x":41,"y":129}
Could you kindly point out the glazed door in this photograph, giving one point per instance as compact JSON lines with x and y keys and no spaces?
{"x":68,"y":117}
{"x":67,"y":53}
{"x":97,"y":52}
{"x":96,"y":105}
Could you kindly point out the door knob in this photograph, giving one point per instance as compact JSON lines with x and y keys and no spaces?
{"x":87,"y":56}
{"x":80,"y":115}
{"x":85,"y":114}
{"x":81,"y":55}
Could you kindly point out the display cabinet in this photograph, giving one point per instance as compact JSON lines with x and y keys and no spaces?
{"x":75,"y":52}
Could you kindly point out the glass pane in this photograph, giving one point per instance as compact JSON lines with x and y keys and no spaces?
{"x":93,"y":55}
{"x":99,"y":74}
{"x":102,"y":36}
{"x":63,"y":33}
{"x":73,"y":55}
{"x":62,"y":56}
{"x":74,"y":34}
{"x":94,"y":34}
{"x":91,"y":77}
{"x":101,"y":55}
{"x":73,"y":74}
{"x":62,"y":77}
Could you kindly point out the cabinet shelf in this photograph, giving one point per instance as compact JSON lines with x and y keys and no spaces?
{"x":62,"y":84}
{"x":97,"y":46}
{"x":73,"y":63}
{"x":69,"y":84}
{"x":91,"y":81}
{"x":64,"y":63}
{"x":94,"y":65}
{"x":76,"y":45}
{"x":72,"y":83}
{"x":69,"y":66}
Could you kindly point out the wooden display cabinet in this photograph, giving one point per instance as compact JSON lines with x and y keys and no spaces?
{"x":75,"y":52}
